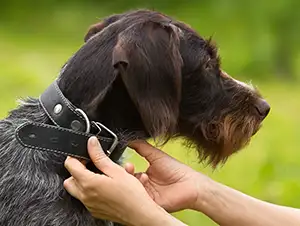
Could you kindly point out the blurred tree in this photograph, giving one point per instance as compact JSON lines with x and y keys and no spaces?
{"x":285,"y":27}
{"x":257,"y":38}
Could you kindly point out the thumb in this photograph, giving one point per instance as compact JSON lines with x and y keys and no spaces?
{"x":100,"y":159}
{"x":146,"y":150}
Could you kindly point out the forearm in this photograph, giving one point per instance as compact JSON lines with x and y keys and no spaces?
{"x":227,"y":206}
{"x":166,"y":220}
{"x":155,"y":215}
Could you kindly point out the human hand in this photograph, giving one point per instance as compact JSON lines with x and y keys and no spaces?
{"x":114,"y":195}
{"x":170,"y":183}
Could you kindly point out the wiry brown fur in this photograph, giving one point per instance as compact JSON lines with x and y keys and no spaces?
{"x":223,"y":116}
{"x":143,"y":75}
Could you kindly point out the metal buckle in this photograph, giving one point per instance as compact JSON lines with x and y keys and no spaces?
{"x":115,"y":142}
{"x":99,"y":127}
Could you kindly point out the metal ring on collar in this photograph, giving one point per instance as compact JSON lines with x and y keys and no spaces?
{"x":87,"y":121}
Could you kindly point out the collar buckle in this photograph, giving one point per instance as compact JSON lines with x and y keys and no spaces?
{"x":100,"y":126}
{"x":65,"y":115}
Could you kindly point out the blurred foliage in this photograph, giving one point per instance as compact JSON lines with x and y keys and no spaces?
{"x":258,"y":41}
{"x":257,"y":38}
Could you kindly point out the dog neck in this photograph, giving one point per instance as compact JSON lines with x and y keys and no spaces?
{"x":106,"y":102}
{"x":70,"y":131}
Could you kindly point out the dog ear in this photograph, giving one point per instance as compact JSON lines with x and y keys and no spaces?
{"x":95,"y":28}
{"x":148,"y":59}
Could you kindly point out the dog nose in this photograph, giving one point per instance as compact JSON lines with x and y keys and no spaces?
{"x":263,"y":108}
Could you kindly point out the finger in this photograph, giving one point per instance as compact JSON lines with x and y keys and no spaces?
{"x":145,"y":181}
{"x":100,"y":159}
{"x":129,"y":167}
{"x":147,"y":151}
{"x":71,"y":187}
{"x":76,"y":168}
{"x":142,"y":177}
{"x":83,"y":161}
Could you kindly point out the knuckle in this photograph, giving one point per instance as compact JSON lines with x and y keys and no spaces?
{"x":67,"y":183}
{"x":66,"y":163}
{"x":88,"y":196}
{"x":100,"y":158}
{"x":83,"y":197}
{"x":86,"y":186}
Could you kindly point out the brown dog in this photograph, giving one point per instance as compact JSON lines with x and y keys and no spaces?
{"x":143,"y":75}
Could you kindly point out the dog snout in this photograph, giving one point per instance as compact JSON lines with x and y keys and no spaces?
{"x":262,"y":107}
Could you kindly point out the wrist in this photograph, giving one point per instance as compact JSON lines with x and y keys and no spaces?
{"x":150,"y":214}
{"x":153,"y":215}
{"x":161,"y":217}
{"x":204,"y":190}
{"x":218,"y":203}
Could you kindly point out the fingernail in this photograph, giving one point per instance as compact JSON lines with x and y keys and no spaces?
{"x":94,"y":141}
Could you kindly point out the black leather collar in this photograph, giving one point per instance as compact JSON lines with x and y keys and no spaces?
{"x":70,"y":132}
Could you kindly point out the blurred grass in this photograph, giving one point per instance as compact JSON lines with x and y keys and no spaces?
{"x":269,"y":168}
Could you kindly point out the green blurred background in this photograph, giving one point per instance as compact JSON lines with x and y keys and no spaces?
{"x":258,"y":41}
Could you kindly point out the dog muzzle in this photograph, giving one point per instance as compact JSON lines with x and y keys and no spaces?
{"x":70,"y":132}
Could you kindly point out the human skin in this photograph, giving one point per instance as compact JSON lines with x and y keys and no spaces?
{"x":114,"y":195}
{"x":166,"y":186}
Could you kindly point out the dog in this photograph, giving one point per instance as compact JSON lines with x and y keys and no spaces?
{"x":140,"y":75}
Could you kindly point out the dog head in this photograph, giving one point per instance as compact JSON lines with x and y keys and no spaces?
{"x":145,"y":74}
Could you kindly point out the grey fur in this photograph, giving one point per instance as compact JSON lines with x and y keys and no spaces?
{"x":194,"y":101}
{"x":31,"y":181}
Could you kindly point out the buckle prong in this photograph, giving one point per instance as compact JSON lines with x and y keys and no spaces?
{"x":99,"y":127}
{"x":115,"y":142}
